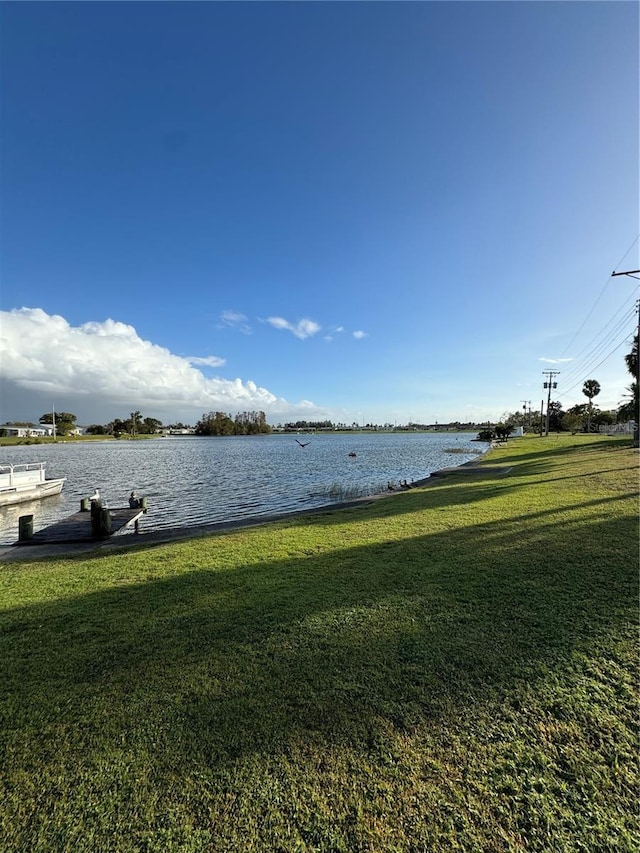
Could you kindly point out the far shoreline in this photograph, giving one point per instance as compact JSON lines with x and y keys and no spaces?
{"x":25,"y":441}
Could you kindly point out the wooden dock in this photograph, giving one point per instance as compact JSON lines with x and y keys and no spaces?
{"x":77,"y":528}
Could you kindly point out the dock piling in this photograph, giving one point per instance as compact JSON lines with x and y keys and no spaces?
{"x":100,"y":520}
{"x":25,"y":528}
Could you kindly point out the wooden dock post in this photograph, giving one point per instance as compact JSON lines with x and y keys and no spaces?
{"x":101,"y":523}
{"x":100,"y":520}
{"x":105,"y":522}
{"x":25,"y":528}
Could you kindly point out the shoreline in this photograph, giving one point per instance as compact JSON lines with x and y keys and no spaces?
{"x":20,"y":552}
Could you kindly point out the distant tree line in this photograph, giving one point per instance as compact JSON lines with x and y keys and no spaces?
{"x":135,"y":424}
{"x":296,"y":425}
{"x":244,"y":423}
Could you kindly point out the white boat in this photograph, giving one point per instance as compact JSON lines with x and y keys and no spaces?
{"x":20,"y":483}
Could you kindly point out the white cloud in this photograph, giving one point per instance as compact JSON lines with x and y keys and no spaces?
{"x":236,"y":320}
{"x":359,"y":335}
{"x":302,"y":329}
{"x":208,"y":361}
{"x":106,"y":364}
{"x":336,"y":330}
{"x":555,"y":360}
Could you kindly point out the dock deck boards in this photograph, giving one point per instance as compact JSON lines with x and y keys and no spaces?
{"x":77,"y":527}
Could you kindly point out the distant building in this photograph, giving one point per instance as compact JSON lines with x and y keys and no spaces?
{"x":42,"y":431}
{"x":27,"y":431}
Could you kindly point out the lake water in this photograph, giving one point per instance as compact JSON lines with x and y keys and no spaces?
{"x":190,"y":480}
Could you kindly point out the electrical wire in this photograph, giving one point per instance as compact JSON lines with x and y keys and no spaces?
{"x":629,"y":310}
{"x":606,"y":284}
{"x":589,"y":358}
{"x":588,"y":368}
{"x":609,"y":354}
{"x":627,"y":252}
{"x":582,"y":365}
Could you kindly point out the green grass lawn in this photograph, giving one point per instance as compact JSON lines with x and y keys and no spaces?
{"x":452,"y":669}
{"x":8,"y":441}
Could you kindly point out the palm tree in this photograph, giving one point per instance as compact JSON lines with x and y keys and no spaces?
{"x":629,"y":408}
{"x":632,"y":359}
{"x":590,"y":389}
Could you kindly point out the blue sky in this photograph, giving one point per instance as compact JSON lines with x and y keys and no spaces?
{"x":374,"y":212}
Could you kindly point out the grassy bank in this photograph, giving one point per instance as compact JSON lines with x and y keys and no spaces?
{"x":11,"y":440}
{"x":451,"y":669}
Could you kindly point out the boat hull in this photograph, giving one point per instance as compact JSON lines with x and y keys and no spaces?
{"x":28,"y":492}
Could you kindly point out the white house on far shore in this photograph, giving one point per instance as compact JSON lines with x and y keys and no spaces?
{"x":42,"y":431}
{"x":27,"y":431}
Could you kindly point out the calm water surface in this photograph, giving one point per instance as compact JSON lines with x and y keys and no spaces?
{"x":203,"y":480}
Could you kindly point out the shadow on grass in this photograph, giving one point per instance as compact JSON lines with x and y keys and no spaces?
{"x":552,"y":448}
{"x":201,"y":668}
{"x":451,"y":494}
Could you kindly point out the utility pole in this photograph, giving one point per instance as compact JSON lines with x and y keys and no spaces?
{"x":549,"y":383}
{"x":631,"y":273}
{"x":524,"y":411}
{"x":634,"y":274}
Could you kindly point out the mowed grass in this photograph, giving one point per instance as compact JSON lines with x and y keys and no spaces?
{"x":450,"y":669}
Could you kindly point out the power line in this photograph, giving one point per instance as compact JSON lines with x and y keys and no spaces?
{"x":598,"y":298}
{"x":586,"y":366}
{"x":594,"y":353}
{"x":595,"y":367}
{"x":604,"y":328}
{"x":628,"y":250}
{"x":588,"y":363}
